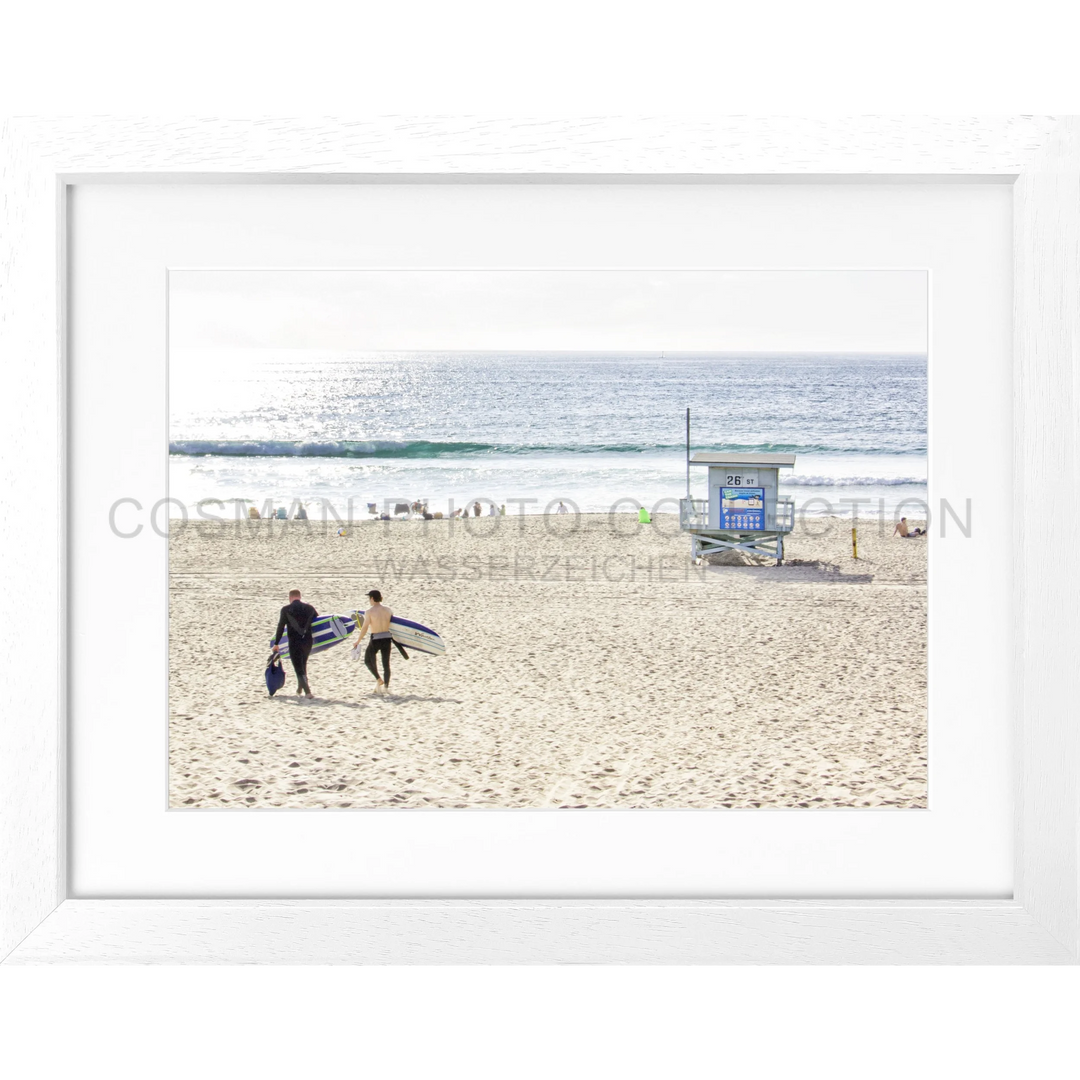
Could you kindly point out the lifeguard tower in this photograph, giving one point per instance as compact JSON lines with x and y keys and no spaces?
{"x":744,"y":510}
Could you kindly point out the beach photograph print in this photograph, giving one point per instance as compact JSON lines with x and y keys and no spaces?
{"x":547,"y":539}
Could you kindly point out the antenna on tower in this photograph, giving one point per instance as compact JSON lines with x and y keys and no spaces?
{"x":688,"y":453}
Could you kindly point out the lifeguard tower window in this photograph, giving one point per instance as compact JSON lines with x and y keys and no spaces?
{"x":744,"y":509}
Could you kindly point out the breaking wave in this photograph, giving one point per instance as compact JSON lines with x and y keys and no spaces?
{"x":422,"y":448}
{"x":851,"y":481}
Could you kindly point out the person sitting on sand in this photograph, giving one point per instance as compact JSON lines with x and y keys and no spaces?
{"x":301,"y":513}
{"x":377,"y":620}
{"x":297,"y":617}
{"x":562,"y":509}
{"x":492,"y":512}
{"x":476,"y":509}
{"x":905,"y":532}
{"x":253,"y":512}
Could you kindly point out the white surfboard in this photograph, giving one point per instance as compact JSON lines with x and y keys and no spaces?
{"x":414,"y":635}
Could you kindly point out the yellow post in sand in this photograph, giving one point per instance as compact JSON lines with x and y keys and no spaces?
{"x":854,"y":542}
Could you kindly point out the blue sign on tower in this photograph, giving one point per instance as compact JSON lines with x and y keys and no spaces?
{"x":742,"y":509}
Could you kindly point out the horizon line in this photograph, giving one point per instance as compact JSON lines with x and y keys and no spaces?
{"x":570,"y":351}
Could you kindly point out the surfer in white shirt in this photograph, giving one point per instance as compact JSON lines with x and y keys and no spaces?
{"x":377,"y":620}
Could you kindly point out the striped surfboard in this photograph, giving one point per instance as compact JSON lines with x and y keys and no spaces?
{"x":330,"y":630}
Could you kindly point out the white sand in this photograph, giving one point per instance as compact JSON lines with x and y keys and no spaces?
{"x":585,"y":668}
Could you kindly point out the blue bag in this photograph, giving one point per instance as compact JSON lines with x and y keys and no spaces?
{"x":275,"y":674}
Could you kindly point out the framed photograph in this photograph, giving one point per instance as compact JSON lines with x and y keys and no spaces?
{"x":597,"y":555}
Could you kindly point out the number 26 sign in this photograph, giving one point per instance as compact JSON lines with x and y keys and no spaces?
{"x":741,"y":480}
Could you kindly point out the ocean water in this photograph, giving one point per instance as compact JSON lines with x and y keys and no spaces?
{"x":530,"y":429}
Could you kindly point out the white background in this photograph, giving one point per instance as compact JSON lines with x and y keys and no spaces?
{"x":327,"y":311}
{"x":124,"y":840}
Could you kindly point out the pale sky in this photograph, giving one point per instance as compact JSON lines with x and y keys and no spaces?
{"x":519,"y":310}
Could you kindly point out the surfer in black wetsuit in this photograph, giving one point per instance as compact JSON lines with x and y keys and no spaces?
{"x":297,"y":617}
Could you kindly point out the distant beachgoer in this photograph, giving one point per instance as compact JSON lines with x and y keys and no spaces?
{"x":643,"y":516}
{"x":476,"y":509}
{"x":297,"y":617}
{"x":301,"y":514}
{"x":253,"y":512}
{"x":492,"y":512}
{"x":502,"y":510}
{"x":562,"y":509}
{"x":906,"y":534}
{"x":377,"y":620}
{"x":372,"y":508}
{"x":282,"y":514}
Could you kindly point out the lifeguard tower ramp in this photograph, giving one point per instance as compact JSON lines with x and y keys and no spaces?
{"x":744,"y":510}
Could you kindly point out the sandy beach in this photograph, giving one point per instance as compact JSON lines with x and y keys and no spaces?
{"x":588,"y":664}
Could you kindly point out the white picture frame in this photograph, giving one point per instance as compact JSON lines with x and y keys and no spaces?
{"x":1038,"y":156}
